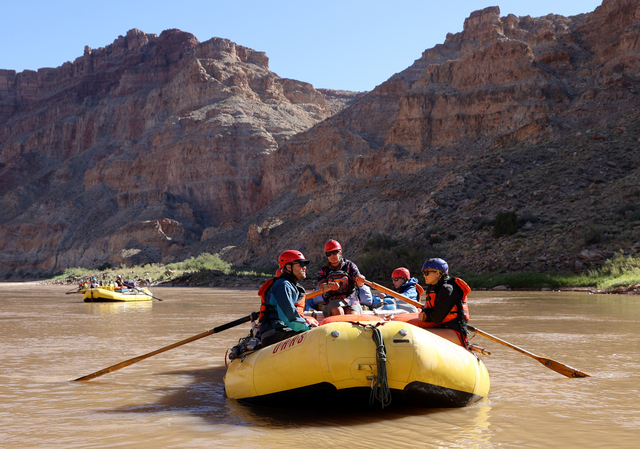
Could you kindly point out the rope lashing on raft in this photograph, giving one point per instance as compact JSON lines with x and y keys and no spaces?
{"x":380,"y":384}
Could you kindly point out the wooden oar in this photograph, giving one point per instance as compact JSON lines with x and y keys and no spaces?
{"x":393,"y":293}
{"x":252,"y":317}
{"x":148,"y":294}
{"x":314,"y":293}
{"x":558,"y":367}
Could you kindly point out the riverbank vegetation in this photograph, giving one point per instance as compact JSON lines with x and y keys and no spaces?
{"x":620,"y":272}
{"x":202,"y":270}
{"x":384,"y":254}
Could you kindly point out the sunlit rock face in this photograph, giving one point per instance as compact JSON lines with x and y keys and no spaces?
{"x":155,"y":148}
{"x":150,"y":129}
{"x":431,"y":148}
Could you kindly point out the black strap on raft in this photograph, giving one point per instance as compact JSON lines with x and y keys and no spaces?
{"x":462,"y":322}
{"x":380,"y":384}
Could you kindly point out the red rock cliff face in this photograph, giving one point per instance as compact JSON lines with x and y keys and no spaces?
{"x":388,"y":162}
{"x":156,"y":148}
{"x":151,"y":129}
{"x":501,"y":79}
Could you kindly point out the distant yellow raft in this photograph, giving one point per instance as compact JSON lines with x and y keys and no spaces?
{"x":341,"y":359}
{"x":108,"y":294}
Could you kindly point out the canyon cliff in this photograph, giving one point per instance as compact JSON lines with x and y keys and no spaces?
{"x":157,"y":148}
{"x":132,"y":150}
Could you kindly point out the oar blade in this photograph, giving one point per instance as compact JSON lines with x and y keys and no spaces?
{"x":558,"y":367}
{"x":106,"y":370}
{"x":561,"y":368}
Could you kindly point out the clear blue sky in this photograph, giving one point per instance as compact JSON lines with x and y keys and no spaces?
{"x":348,"y":44}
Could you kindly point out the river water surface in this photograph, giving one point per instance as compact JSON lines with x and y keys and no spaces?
{"x":176,"y":399}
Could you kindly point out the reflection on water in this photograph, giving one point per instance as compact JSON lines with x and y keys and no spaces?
{"x":176,"y":399}
{"x":102,"y":308}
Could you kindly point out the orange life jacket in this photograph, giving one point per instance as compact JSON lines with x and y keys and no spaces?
{"x":263,"y":302}
{"x":453,"y":313}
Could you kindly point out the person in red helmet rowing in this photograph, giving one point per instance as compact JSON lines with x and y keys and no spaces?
{"x":342,"y":282}
{"x":280,"y":316}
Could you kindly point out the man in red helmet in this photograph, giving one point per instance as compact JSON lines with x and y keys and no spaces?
{"x":279,"y":317}
{"x":339,"y":277}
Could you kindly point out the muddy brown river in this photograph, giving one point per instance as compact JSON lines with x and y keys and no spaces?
{"x":176,"y":399}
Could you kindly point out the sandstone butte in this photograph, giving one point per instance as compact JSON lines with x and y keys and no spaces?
{"x":157,"y":148}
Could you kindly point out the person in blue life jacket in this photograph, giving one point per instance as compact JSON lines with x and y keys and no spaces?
{"x":281,"y":310}
{"x":94,"y":283}
{"x":404,"y":284}
{"x":341,"y":280}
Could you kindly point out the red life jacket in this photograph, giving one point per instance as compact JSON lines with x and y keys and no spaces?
{"x":263,"y":302}
{"x":453,"y":313}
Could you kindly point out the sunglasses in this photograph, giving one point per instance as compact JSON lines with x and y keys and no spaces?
{"x":426,"y":272}
{"x":331,"y":253}
{"x":397,"y":279}
{"x":302,"y":263}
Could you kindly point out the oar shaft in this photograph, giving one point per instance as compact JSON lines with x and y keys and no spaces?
{"x":120,"y":365}
{"x":496,"y":339}
{"x":554,"y":365}
{"x":148,"y":294}
{"x":558,"y":367}
{"x":393,"y":293}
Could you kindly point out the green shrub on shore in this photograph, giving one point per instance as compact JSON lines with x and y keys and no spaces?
{"x":505,"y":224}
{"x":620,"y":271}
{"x":204,"y":262}
{"x":384,"y":254}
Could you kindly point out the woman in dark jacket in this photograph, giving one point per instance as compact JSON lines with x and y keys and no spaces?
{"x":446,"y":302}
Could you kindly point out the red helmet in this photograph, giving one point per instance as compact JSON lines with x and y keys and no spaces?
{"x":332,"y":245}
{"x":401,"y":273}
{"x":291,"y":256}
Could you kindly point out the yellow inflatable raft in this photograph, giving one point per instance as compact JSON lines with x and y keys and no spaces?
{"x":109,"y":294}
{"x":368,"y":357}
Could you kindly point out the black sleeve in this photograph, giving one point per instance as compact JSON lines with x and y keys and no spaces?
{"x":446,"y":298}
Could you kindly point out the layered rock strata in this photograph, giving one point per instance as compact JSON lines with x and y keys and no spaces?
{"x":161,"y":147}
{"x":150,"y":129}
